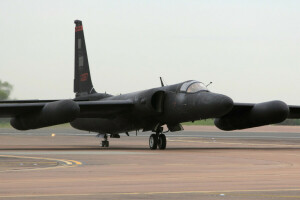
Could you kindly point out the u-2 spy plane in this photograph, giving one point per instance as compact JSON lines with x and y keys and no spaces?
{"x":146,"y":110}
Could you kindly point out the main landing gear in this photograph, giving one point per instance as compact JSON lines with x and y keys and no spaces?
{"x":158,"y":139}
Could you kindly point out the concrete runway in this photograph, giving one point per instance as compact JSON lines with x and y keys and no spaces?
{"x":200,"y":163}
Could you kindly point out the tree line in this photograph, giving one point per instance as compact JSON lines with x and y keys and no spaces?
{"x":5,"y":91}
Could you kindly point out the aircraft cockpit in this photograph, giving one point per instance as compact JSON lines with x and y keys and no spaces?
{"x":193,"y":87}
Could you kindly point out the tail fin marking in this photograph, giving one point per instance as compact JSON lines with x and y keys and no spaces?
{"x":82,"y":82}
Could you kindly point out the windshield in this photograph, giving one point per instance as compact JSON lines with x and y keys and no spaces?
{"x":195,"y":87}
{"x":192,"y":87}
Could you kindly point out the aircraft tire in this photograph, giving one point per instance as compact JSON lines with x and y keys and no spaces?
{"x":162,"y":141}
{"x":105,"y":143}
{"x":153,"y":140}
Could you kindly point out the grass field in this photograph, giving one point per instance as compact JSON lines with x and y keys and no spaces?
{"x":208,"y":122}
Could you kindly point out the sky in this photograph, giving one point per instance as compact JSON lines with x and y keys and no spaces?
{"x":248,"y":49}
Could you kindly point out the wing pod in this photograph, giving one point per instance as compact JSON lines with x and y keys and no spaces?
{"x":50,"y":114}
{"x":258,"y":115}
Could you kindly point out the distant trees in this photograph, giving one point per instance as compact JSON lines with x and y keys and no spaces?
{"x":290,"y":122}
{"x":5,"y":90}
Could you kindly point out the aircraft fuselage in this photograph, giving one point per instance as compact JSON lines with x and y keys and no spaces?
{"x":155,"y":107}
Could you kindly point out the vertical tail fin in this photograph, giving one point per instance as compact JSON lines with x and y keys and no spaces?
{"x":82,"y":82}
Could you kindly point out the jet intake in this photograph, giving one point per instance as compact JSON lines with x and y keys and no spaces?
{"x":53,"y":113}
{"x":150,"y":103}
{"x":259,"y":115}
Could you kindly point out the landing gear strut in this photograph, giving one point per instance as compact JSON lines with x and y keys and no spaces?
{"x":158,"y":140}
{"x":105,"y":142}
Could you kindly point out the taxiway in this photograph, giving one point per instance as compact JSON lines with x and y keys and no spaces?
{"x":199,"y":163}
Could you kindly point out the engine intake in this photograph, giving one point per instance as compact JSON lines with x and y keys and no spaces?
{"x":53,"y":113}
{"x":259,"y":115}
{"x":150,"y":103}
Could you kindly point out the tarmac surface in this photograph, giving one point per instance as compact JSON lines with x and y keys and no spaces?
{"x":199,"y":163}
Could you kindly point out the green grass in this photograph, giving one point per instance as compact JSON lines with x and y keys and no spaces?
{"x":5,"y":125}
{"x":207,"y":122}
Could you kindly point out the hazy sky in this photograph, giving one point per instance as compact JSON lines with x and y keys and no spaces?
{"x":248,"y":49}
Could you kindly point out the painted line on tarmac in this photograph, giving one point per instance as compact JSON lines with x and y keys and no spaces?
{"x":231,"y":192}
{"x":61,"y":163}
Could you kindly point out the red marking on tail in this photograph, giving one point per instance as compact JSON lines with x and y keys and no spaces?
{"x":78,"y":28}
{"x":83,"y":77}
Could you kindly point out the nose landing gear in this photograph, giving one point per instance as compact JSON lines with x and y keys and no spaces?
{"x":158,"y":140}
{"x":105,"y":142}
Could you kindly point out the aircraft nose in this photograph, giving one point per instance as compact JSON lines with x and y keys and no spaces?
{"x":225,"y":104}
{"x":214,"y":105}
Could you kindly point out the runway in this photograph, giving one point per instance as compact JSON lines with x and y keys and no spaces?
{"x":199,"y":163}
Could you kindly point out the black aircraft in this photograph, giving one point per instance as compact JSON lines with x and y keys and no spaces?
{"x":146,"y":110}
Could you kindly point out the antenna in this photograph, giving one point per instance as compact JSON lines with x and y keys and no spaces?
{"x":209,"y":84}
{"x":161,"y":82}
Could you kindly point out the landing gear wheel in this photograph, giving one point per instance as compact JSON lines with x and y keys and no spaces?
{"x":153,"y":140}
{"x":162,"y":141}
{"x":105,"y":143}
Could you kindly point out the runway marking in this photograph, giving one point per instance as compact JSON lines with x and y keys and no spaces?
{"x":65,"y":163}
{"x":154,"y":193}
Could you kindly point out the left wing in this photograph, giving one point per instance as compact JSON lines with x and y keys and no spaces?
{"x":249,"y":115}
{"x":294,"y":112}
{"x":242,"y":107}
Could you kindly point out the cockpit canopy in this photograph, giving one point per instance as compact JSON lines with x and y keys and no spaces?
{"x":192,"y":87}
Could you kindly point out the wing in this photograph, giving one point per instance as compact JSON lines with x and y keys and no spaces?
{"x":104,"y":108}
{"x":294,"y":112}
{"x":239,"y":108}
